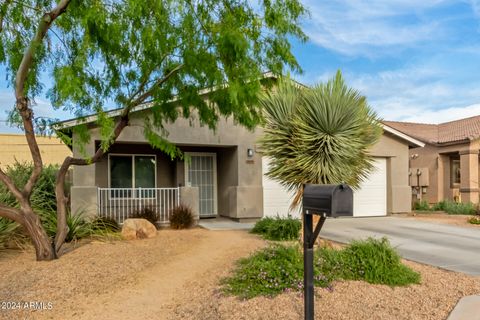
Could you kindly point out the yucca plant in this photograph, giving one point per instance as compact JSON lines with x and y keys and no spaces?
{"x":318,"y":135}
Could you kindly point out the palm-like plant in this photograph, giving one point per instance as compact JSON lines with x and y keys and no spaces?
{"x":318,"y":135}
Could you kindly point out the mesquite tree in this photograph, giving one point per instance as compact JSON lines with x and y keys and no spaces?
{"x":101,"y":54}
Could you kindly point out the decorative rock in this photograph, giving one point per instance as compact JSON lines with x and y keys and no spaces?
{"x":138,"y":229}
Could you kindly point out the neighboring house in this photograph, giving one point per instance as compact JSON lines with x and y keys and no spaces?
{"x":15,"y":148}
{"x":224,"y":176}
{"x":447,"y":167}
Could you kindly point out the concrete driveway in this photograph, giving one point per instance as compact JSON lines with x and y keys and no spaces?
{"x":448,"y":247}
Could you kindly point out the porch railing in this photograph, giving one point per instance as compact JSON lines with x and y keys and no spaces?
{"x":122,"y":203}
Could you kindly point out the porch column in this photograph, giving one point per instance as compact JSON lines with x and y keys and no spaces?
{"x":469,"y":175}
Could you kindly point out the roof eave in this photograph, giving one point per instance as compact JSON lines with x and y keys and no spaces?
{"x":412,"y":142}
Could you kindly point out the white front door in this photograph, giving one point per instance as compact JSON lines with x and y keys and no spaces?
{"x":201,"y":172}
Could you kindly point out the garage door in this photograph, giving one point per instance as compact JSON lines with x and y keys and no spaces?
{"x":276,"y":199}
{"x":369,"y":200}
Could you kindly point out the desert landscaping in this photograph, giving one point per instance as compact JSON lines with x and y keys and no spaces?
{"x":176,"y":275}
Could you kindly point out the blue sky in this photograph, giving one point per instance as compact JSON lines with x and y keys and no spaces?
{"x":414,"y":60}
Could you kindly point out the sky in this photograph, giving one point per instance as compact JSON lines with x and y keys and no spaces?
{"x":416,"y":61}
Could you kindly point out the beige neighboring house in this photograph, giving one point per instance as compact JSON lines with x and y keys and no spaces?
{"x":15,"y":147}
{"x":224,"y":175}
{"x":447,"y":167}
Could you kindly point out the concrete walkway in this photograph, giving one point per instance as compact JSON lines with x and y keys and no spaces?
{"x":468,"y":308}
{"x":220,"y":223}
{"x":448,"y":247}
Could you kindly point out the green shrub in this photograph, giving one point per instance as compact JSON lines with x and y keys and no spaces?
{"x":181,"y":217}
{"x":474,"y":220}
{"x":269,"y":272}
{"x":278,"y":228}
{"x":11,"y":233}
{"x":147,"y":213}
{"x":372,"y":260}
{"x":104,"y":224}
{"x":421,"y":205}
{"x":452,"y":207}
{"x":279,"y":268}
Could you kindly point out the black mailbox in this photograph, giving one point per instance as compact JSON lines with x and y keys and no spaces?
{"x":332,"y":200}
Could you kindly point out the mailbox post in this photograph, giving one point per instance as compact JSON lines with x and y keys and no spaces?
{"x":325,"y":201}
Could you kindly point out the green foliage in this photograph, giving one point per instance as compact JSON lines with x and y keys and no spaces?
{"x":279,"y":268}
{"x":181,"y":217}
{"x":104,"y":224}
{"x":421,"y":205}
{"x":147,"y":213}
{"x":10,"y":233}
{"x":268,"y":272}
{"x":320,"y":135}
{"x":452,"y":207}
{"x":278,"y":228}
{"x":44,"y":204}
{"x":474,"y":220}
{"x":135,"y":52}
{"x":43,"y":194}
{"x":372,"y":260}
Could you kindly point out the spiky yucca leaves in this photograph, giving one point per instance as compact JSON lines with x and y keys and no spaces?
{"x":319,"y":135}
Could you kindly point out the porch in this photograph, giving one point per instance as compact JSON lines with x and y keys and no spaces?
{"x":133,"y":177}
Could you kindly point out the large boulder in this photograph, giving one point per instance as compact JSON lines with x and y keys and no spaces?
{"x":138,"y":229}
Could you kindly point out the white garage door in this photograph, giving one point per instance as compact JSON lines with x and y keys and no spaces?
{"x":370,"y":200}
{"x":276,"y":199}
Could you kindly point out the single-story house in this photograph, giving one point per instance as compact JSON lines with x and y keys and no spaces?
{"x":447,"y":167}
{"x":224,"y":176}
{"x":15,"y":148}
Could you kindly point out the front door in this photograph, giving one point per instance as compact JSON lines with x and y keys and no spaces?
{"x":201,"y":172}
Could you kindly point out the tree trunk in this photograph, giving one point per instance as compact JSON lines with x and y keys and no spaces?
{"x":41,"y":241}
{"x":32,"y":225}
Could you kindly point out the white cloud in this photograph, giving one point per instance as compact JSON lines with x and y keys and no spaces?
{"x":370,"y":28}
{"x":418,"y":93}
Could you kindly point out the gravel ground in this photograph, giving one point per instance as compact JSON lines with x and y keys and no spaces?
{"x":176,"y":274}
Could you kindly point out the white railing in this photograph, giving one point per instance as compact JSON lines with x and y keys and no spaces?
{"x":122,"y":203}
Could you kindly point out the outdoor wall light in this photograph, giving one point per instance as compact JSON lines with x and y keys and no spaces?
{"x":250,"y":153}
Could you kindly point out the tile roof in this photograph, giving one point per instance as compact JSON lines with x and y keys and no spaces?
{"x":453,"y":131}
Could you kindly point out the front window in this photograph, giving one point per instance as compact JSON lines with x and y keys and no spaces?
{"x":132,"y":171}
{"x":455,"y":172}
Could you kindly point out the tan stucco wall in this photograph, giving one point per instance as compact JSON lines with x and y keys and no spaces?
{"x":437,"y":160}
{"x":14,"y":146}
{"x":396,"y":152}
{"x":239,"y":179}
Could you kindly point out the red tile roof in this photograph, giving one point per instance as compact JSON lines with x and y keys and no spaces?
{"x":453,"y":131}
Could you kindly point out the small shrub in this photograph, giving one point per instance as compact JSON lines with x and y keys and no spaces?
{"x":11,"y":233}
{"x":452,"y":207}
{"x":181,"y":217}
{"x":279,"y":268}
{"x":269,"y":272}
{"x":278,"y":228}
{"x":148,"y":214}
{"x":474,"y":220}
{"x":104,"y":224}
{"x":421,"y":205}
{"x":372,"y":260}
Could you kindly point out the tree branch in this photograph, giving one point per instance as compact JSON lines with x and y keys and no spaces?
{"x":13,"y":214}
{"x":22,"y":102}
{"x":10,"y":185}
{"x":150,"y":91}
